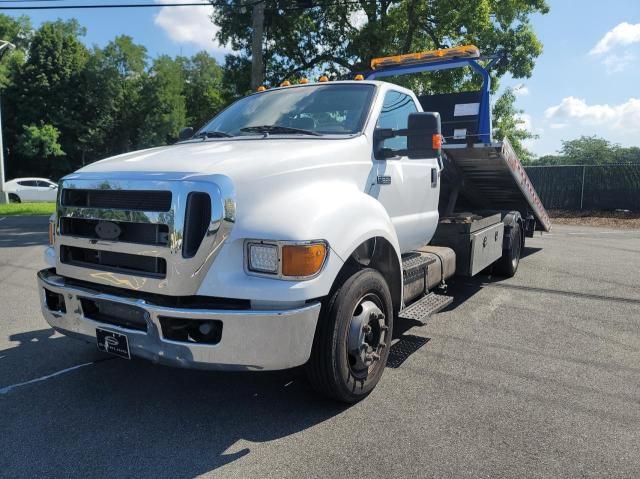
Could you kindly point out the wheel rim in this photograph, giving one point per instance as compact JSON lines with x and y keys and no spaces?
{"x":367,"y":335}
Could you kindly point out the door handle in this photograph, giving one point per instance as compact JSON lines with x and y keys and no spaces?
{"x":434,"y":177}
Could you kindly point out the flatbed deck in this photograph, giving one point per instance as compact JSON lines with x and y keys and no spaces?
{"x":494,"y":178}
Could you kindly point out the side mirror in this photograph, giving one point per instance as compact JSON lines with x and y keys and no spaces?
{"x":185,"y":133}
{"x":424,"y":138}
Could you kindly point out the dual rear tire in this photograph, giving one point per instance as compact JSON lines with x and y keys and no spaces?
{"x":507,"y":265}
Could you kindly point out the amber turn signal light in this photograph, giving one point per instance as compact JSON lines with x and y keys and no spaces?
{"x":436,"y":141}
{"x":303,"y":260}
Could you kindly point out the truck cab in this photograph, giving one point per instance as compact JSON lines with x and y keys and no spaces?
{"x":292,"y":229}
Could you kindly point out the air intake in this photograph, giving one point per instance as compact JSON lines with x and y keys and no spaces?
{"x":196,"y":222}
{"x":138,"y":200}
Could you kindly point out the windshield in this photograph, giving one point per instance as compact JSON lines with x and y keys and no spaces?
{"x":338,"y":109}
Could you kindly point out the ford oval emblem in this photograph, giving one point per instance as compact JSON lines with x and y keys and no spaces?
{"x":107,"y":230}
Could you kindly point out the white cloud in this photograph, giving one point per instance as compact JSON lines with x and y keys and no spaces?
{"x":623,"y":34}
{"x":521,"y":90}
{"x":616,"y":63}
{"x":189,"y":25}
{"x":558,"y":126}
{"x":624,"y":117}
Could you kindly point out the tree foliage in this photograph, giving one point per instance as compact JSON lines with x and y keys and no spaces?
{"x":343,"y":36}
{"x":508,"y":123}
{"x":40,"y":141}
{"x":60,"y":96}
{"x":17,"y":31}
{"x":591,"y":150}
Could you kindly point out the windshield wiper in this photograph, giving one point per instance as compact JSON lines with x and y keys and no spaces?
{"x":277,"y":129}
{"x":213,"y":134}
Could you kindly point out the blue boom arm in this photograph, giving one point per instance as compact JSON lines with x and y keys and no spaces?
{"x":484,"y":113}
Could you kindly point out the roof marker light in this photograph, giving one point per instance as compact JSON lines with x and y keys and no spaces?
{"x":304,"y":81}
{"x":358,"y":77}
{"x":430,"y":56}
{"x":261,"y":88}
{"x":323,"y":78}
{"x":285,"y":83}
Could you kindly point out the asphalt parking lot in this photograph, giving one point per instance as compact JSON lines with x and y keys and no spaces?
{"x":536,"y":376}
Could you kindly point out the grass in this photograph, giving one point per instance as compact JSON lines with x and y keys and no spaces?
{"x":14,"y":209}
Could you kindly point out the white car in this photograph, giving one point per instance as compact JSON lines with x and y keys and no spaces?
{"x":22,"y":190}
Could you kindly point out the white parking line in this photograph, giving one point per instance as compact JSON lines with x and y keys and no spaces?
{"x":7,"y":389}
{"x":4,"y":218}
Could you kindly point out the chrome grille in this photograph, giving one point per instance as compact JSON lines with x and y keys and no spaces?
{"x":118,"y":199}
{"x":141,"y":233}
{"x":147,"y":250}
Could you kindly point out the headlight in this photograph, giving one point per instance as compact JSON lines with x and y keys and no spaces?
{"x":286,"y":259}
{"x":263,"y":258}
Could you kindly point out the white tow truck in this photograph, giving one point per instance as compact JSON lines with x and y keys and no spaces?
{"x":292,"y":229}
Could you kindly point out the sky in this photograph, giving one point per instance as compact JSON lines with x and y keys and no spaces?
{"x":586,"y":82}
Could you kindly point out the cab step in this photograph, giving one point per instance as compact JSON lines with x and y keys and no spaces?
{"x":422,"y":309}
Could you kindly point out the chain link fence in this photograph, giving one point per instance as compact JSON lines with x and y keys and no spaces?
{"x":587,"y":187}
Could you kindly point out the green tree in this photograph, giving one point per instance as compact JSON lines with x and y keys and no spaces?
{"x":343,"y":36}
{"x":628,"y":155}
{"x":17,"y":31}
{"x":508,"y":122}
{"x":48,"y":87}
{"x":40,"y":144}
{"x":114,"y":79}
{"x":203,"y":89}
{"x":591,"y":150}
{"x":164,"y":104}
{"x":588,"y":150}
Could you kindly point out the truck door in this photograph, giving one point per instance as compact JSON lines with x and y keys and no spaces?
{"x":408,"y":189}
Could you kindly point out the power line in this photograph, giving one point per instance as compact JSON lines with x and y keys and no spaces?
{"x":157,"y":5}
{"x":120,"y":5}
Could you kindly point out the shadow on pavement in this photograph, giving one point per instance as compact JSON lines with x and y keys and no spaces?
{"x":528,"y":251}
{"x":132,"y":418}
{"x":19,"y":231}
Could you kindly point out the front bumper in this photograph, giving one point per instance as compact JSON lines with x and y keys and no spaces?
{"x":251,"y":340}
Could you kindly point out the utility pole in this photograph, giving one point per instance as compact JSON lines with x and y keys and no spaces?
{"x":4,"y":48}
{"x":257,"y":30}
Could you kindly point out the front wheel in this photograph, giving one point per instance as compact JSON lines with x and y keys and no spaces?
{"x":352,"y":340}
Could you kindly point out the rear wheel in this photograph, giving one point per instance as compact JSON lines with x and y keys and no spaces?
{"x":13,"y":198}
{"x":352,"y":340}
{"x":507,"y":265}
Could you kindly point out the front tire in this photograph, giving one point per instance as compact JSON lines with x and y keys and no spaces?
{"x":351,"y":345}
{"x":13,"y":198}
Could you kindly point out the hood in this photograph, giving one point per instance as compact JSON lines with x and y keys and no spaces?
{"x":239,"y":158}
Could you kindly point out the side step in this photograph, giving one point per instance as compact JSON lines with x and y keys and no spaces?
{"x":422,"y":309}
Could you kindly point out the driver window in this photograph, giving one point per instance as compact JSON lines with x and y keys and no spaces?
{"x":395,"y":114}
